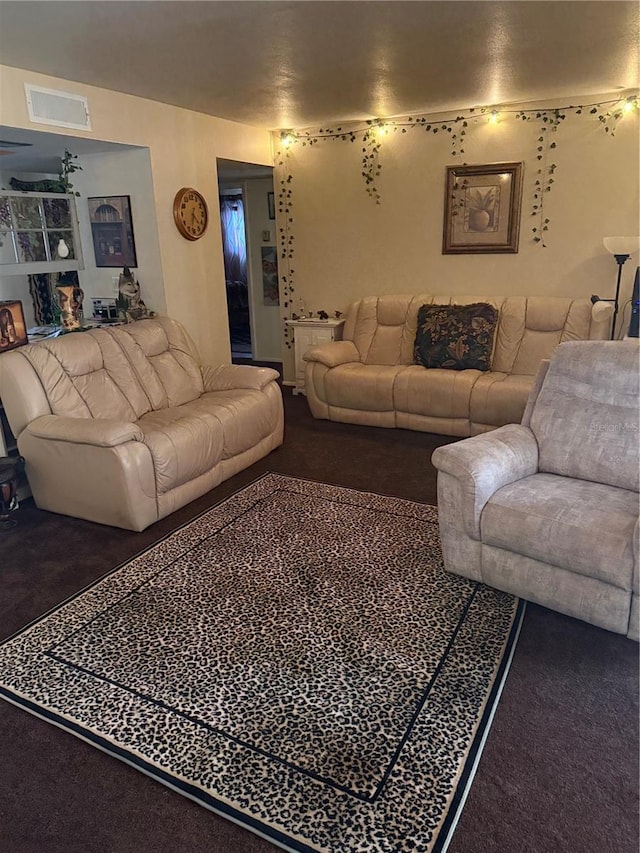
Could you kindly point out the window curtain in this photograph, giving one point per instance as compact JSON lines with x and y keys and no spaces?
{"x":233,"y":238}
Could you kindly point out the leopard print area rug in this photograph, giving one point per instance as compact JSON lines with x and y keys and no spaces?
{"x":295,"y":659}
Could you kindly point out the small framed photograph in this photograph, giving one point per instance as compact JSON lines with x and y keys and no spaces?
{"x":112,"y":230}
{"x":270,"y":290}
{"x":271,"y":203}
{"x":13,"y":329}
{"x":482,"y":208}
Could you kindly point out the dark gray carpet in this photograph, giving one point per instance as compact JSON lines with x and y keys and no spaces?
{"x":559,"y":771}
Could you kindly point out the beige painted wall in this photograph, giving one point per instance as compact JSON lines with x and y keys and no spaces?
{"x":265,"y":319}
{"x":183,"y":146}
{"x":126,"y":172}
{"x":347,"y":247}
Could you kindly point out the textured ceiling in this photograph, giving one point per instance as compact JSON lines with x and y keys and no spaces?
{"x":298,"y":64}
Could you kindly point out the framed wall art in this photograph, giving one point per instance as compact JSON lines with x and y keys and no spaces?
{"x":112,"y":230}
{"x":270,"y":290}
{"x":271,"y":204}
{"x":482,"y":208}
{"x":13,"y":329}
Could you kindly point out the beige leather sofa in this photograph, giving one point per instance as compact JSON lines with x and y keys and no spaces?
{"x":548,"y":509}
{"x":123,"y":425}
{"x":369,"y":377}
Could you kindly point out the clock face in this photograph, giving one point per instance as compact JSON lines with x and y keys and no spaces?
{"x":190,"y":213}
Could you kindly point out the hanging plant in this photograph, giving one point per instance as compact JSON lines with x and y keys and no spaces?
{"x":68,"y":167}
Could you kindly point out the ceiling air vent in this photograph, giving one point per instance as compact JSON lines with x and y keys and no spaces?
{"x":61,"y":109}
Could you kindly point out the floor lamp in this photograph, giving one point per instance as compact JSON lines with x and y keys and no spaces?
{"x":621,"y":248}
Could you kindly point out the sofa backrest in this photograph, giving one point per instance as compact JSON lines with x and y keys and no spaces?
{"x":115,"y":372}
{"x":87,"y":375}
{"x":163,"y":358}
{"x":585,"y":415}
{"x":383,"y":328}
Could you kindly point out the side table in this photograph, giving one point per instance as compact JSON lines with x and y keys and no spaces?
{"x":307,"y":334}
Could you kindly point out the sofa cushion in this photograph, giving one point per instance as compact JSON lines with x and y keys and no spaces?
{"x":499,"y":398}
{"x":575,"y":524}
{"x":244,"y":418}
{"x":189,"y":440}
{"x":362,"y":386}
{"x":184,"y":441}
{"x":456,"y":337}
{"x":437,"y":393}
{"x":530,"y":328}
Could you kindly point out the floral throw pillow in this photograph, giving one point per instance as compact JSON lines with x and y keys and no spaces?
{"x":456,"y":337}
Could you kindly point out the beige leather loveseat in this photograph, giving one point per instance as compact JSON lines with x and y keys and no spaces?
{"x":122,"y":425}
{"x":369,"y":377}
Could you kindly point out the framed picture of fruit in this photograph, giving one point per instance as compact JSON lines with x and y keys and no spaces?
{"x":482,"y":209}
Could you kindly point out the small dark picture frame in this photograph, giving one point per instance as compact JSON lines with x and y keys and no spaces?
{"x":271,"y":203}
{"x":482,"y":209}
{"x":13,"y":329}
{"x":112,"y":230}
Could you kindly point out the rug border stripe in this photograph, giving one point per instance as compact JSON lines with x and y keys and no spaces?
{"x":251,"y":824}
{"x":201,"y":798}
{"x":130,"y":559}
{"x":459,"y":800}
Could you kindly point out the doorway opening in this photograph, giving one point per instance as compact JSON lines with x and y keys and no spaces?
{"x":234,"y":249}
{"x":253,"y":299}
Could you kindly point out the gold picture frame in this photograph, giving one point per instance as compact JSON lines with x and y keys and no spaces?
{"x":482,"y":209}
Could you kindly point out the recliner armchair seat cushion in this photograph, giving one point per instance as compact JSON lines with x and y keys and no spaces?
{"x":578,"y":525}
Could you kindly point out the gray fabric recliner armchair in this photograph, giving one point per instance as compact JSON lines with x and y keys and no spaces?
{"x":548,"y":509}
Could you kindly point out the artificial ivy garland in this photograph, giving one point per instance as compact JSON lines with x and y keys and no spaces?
{"x":373,"y":132}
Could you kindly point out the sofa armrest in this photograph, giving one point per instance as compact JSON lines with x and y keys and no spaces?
{"x":227,"y":377}
{"x":97,"y":431}
{"x":485,"y":463}
{"x":334,"y":353}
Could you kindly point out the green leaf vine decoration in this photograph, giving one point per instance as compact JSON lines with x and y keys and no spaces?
{"x":371,"y":165}
{"x":374,"y":132}
{"x":372,"y":136}
{"x":286,"y":239}
{"x":549,"y":122}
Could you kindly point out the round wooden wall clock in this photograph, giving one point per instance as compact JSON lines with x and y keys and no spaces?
{"x":190,"y":213}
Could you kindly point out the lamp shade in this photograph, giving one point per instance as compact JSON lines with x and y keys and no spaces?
{"x":621,"y":245}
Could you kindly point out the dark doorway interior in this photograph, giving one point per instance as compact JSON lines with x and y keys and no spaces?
{"x":234,"y":245}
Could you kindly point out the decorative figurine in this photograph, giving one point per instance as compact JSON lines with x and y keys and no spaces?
{"x":70,"y":298}
{"x":130,"y":304}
